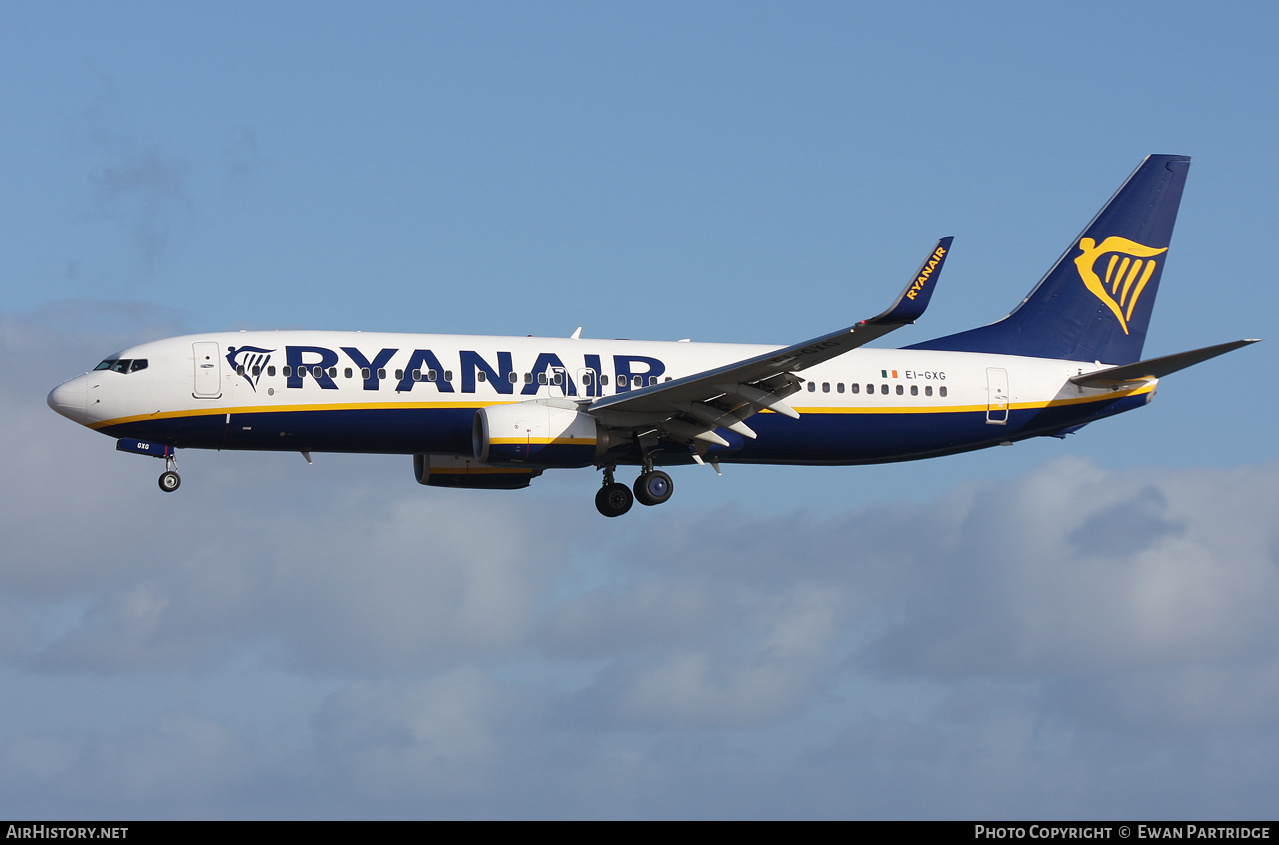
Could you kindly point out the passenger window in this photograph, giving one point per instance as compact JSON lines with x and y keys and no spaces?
{"x":870,"y":388}
{"x":417,"y":375}
{"x":928,"y":390}
{"x":541,"y":378}
{"x":812,"y":387}
{"x":839,"y":388}
{"x":512,"y":378}
{"x":431,"y":374}
{"x":825,"y":387}
{"x":270,"y":371}
{"x":448,"y":375}
{"x":348,"y":373}
{"x":239,"y":369}
{"x":901,"y":389}
{"x":257,"y":371}
{"x":399,"y":375}
{"x":621,"y":381}
{"x":855,"y":387}
{"x":883,"y":388}
{"x":333,"y":372}
{"x":480,"y":375}
{"x":528,"y":378}
{"x":941,"y":391}
{"x":603,"y":379}
{"x":317,"y":371}
{"x":381,"y":372}
{"x":914,"y":390}
{"x":365,"y":373}
{"x":586,"y":379}
{"x":558,"y":378}
{"x":288,"y":371}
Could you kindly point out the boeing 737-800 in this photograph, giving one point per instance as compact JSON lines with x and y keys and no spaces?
{"x":495,"y":412}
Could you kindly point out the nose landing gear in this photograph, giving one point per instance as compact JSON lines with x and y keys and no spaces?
{"x":169,"y":479}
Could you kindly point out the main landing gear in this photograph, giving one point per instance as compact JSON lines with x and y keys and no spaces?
{"x":653,"y":487}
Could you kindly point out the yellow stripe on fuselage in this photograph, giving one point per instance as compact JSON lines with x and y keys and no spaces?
{"x":542,"y":441}
{"x":285,"y":409}
{"x":960,"y":409}
{"x":475,"y":405}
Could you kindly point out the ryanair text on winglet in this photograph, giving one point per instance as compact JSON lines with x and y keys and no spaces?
{"x":922,"y":278}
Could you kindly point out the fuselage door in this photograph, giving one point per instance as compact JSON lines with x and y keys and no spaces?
{"x":557,"y":382}
{"x":208,"y":370}
{"x":588,"y":383}
{"x":997,"y":396}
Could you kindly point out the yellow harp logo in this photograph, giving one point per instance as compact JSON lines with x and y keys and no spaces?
{"x":1130,"y":266}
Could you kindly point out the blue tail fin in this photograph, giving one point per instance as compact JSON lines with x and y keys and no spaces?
{"x":1095,"y":302}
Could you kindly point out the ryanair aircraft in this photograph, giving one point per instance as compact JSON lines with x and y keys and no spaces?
{"x":496,"y":412}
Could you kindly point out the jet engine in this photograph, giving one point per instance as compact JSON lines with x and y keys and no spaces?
{"x":536,"y":434}
{"x":460,"y":471}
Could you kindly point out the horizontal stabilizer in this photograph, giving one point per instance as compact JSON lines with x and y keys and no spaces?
{"x":1156,"y":367}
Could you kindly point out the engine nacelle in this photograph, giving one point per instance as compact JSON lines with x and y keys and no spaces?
{"x":459,"y":471}
{"x":536,"y":434}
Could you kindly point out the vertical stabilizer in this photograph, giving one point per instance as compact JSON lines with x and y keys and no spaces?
{"x":1095,"y":302}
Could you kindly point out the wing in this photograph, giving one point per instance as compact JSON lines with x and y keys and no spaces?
{"x":689,"y":409}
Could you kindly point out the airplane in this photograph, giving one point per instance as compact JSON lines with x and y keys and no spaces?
{"x":496,"y":412}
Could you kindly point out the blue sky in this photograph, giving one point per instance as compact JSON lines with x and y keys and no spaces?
{"x":1066,"y":629}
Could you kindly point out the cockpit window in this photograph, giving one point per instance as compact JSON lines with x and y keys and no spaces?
{"x":122,"y":365}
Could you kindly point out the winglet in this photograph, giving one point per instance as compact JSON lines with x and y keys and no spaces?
{"x":910,"y":306}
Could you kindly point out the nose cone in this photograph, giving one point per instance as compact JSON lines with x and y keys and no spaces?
{"x":70,"y":399}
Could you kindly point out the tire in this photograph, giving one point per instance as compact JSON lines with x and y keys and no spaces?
{"x":653,"y":488}
{"x":614,"y":499}
{"x":169,"y":481}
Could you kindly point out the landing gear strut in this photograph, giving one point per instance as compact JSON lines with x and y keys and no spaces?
{"x":613,"y":499}
{"x":169,"y":479}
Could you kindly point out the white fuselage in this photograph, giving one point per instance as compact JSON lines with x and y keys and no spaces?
{"x":407,"y":393}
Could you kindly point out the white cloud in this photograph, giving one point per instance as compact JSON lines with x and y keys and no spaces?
{"x":434,"y":736}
